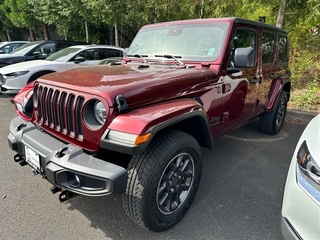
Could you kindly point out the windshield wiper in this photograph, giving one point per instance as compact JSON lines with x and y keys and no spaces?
{"x":173,"y":57}
{"x":139,"y":56}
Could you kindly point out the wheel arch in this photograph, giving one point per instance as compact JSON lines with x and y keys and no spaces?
{"x":277,"y":86}
{"x":38,"y":74}
{"x":188,"y":117}
{"x":200,"y":132}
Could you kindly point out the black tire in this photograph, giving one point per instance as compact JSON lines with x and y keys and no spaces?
{"x":272,"y":121}
{"x":169,"y":171}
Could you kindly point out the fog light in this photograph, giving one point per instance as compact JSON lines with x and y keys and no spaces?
{"x":74,"y":180}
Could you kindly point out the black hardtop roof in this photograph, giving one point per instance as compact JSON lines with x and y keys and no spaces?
{"x":225,"y":19}
{"x":258,"y":23}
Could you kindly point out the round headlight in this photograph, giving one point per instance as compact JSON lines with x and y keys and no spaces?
{"x":99,"y":111}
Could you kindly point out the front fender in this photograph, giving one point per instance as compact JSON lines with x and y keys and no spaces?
{"x":150,"y":119}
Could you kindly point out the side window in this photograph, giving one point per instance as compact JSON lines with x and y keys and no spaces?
{"x":282,"y":49}
{"x":46,"y":49}
{"x":267,"y":48}
{"x":11,"y":47}
{"x":107,"y":53}
{"x":90,"y":54}
{"x":243,"y":38}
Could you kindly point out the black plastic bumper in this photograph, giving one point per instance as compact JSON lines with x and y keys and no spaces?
{"x":65,"y":165}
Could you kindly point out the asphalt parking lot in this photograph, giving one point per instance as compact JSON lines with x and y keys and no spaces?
{"x":239,"y":196}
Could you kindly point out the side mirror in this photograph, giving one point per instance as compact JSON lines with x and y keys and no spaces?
{"x":2,"y":52}
{"x":37,"y":54}
{"x":244,"y":57}
{"x":79,"y":59}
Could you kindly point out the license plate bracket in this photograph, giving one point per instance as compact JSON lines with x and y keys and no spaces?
{"x":32,"y":158}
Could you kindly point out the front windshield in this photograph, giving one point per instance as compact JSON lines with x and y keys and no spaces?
{"x":63,"y":55}
{"x":196,"y":42}
{"x":25,"y":48}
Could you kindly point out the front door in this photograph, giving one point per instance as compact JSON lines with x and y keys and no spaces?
{"x":241,"y":89}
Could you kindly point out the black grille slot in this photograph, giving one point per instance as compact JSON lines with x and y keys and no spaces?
{"x":43,"y":105}
{"x":60,"y":111}
{"x":55,"y":103}
{"x":79,"y":105}
{"x":70,"y":115}
{"x":50,"y":117}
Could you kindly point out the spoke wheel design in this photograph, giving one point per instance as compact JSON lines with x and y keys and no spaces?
{"x":174,"y":185}
{"x":163,"y":181}
{"x":272,"y":121}
{"x":281,"y":112}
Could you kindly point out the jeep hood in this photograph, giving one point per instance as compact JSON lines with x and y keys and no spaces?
{"x":135,"y":83}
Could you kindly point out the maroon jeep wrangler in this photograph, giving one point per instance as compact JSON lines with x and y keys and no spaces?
{"x":136,"y":127}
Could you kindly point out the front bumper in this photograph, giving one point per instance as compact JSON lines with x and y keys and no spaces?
{"x":287,"y":230}
{"x":14,"y":85}
{"x":65,"y":165}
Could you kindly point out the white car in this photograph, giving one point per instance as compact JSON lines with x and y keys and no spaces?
{"x":301,"y":201}
{"x":15,"y":76}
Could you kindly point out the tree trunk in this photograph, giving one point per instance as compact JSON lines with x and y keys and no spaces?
{"x":87,"y":32}
{"x":9,"y":35}
{"x":202,"y":9}
{"x":32,"y":34}
{"x":116,"y":34}
{"x":280,"y":19}
{"x":111,"y":34}
{"x":46,"y":32}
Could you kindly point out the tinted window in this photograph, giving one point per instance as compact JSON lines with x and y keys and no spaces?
{"x":46,"y":49}
{"x":267,"y":47}
{"x":90,"y":54}
{"x":107,"y":53}
{"x":282,"y":49}
{"x":244,"y":38}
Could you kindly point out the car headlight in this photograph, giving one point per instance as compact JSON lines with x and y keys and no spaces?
{"x":2,"y":79}
{"x":15,"y":74}
{"x":99,"y":111}
{"x":308,"y":172}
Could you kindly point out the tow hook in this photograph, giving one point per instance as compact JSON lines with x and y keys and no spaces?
{"x":55,"y":189}
{"x":66,"y":195}
{"x":19,"y":159}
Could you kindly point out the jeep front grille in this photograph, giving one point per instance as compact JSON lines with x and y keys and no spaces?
{"x":60,"y":110}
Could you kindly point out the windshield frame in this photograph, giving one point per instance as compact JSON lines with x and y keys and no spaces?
{"x":188,"y":40}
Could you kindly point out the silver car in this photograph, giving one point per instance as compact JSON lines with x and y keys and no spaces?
{"x":300,"y":215}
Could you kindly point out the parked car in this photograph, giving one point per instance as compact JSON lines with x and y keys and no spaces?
{"x":301,"y":200}
{"x":16,"y":76}
{"x":137,"y":128}
{"x":8,"y":47}
{"x":35,"y":50}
